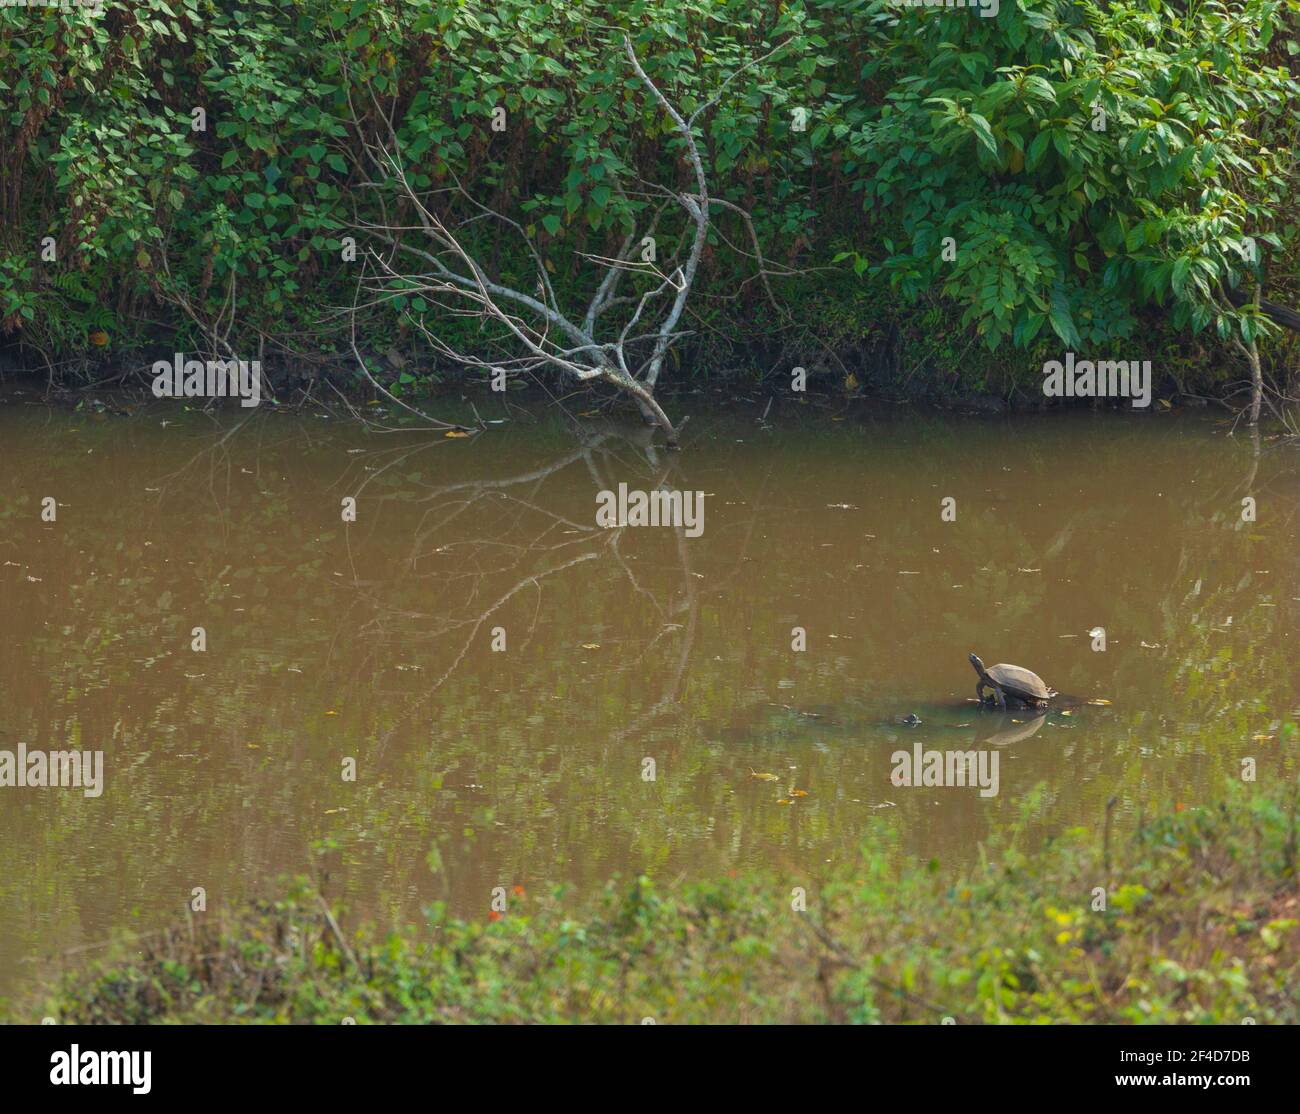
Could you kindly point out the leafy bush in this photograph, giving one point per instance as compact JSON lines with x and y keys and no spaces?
{"x":870,"y":135}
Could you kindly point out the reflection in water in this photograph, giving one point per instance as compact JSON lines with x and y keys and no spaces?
{"x":1011,"y":730}
{"x":499,"y":667}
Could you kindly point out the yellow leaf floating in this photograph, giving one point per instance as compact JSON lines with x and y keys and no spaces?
{"x":1262,"y":738}
{"x":1098,"y":702}
{"x":591,"y":645}
{"x":331,"y":712}
{"x":783,"y":801}
{"x":798,"y":792}
{"x":762,"y":777}
{"x":455,"y":433}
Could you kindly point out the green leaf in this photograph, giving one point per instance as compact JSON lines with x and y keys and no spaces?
{"x":1061,"y":320}
{"x":1181,"y":269}
{"x":1037,"y":149}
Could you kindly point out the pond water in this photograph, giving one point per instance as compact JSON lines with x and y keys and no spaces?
{"x":478,"y":766}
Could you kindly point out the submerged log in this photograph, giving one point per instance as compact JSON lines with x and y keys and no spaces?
{"x":1287,"y":318}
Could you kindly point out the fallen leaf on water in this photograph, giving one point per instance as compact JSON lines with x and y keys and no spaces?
{"x":798,"y":792}
{"x":331,"y":712}
{"x":783,"y":801}
{"x":1099,"y":702}
{"x":591,"y":645}
{"x":1067,"y":712}
{"x":455,"y":433}
{"x":762,"y":777}
{"x":1262,"y":738}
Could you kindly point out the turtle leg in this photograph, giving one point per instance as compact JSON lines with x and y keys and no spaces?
{"x":979,"y":692}
{"x":1002,"y":698}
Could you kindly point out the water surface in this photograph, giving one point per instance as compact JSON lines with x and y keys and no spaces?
{"x":374,"y":640}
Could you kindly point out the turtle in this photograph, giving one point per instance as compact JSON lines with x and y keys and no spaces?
{"x":1011,"y":682}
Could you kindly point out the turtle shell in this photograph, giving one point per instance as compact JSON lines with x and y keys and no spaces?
{"x":1022,"y":683}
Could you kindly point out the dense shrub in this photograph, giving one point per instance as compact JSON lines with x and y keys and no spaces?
{"x":871,"y":135}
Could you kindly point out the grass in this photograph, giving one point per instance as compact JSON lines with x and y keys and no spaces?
{"x":1200,"y":924}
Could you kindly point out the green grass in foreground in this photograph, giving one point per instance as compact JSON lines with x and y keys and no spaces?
{"x":1200,"y":925}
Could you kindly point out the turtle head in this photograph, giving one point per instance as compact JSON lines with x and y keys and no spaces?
{"x":979,"y":665}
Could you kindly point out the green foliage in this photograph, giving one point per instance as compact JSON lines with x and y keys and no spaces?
{"x":1086,"y":160}
{"x":921,"y":124}
{"x":1198,"y":927}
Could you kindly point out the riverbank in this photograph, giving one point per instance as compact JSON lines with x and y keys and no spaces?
{"x":1200,"y":924}
{"x":124,"y":390}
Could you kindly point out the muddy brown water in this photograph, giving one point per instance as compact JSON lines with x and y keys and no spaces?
{"x":527,"y":766}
